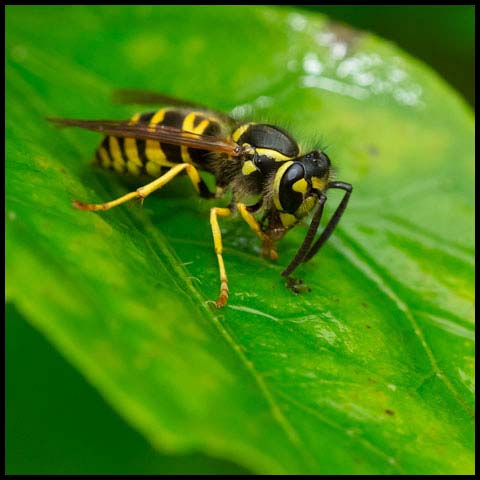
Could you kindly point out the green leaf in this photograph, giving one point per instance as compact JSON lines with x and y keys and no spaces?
{"x":56,"y":386}
{"x":370,"y":372}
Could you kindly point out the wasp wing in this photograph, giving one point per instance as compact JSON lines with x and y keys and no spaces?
{"x":147,"y":97}
{"x":160,"y":133}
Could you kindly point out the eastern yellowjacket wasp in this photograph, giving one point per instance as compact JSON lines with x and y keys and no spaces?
{"x":251,"y":159}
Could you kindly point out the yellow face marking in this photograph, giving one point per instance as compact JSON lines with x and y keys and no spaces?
{"x":306,"y":206}
{"x":277,"y":156}
{"x":276,"y":184}
{"x":248,"y":167}
{"x":319,"y":183}
{"x":288,"y":219}
{"x":240,"y":131}
{"x":300,"y":186}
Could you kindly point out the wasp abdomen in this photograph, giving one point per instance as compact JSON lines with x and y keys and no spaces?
{"x":149,"y":157}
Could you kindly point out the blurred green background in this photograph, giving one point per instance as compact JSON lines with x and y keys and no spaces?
{"x":443,"y":36}
{"x":38,"y":434}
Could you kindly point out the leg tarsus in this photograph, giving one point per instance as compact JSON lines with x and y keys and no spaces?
{"x":296,"y":285}
{"x":268,"y":248}
{"x":223,"y":297}
{"x":92,"y":207}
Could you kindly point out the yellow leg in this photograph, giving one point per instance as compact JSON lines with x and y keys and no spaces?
{"x":141,"y":192}
{"x":194,"y":176}
{"x":200,"y":186}
{"x":217,"y":240}
{"x":268,"y":245}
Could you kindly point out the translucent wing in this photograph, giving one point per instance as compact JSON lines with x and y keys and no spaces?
{"x":146,"y":97}
{"x":161,"y":133}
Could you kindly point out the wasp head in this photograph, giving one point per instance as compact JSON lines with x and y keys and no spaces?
{"x":316,"y":165}
{"x":295,"y":190}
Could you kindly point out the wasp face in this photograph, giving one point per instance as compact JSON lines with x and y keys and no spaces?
{"x":297,"y":186}
{"x":317,"y":169}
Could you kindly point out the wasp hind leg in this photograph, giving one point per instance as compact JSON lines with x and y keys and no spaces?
{"x":268,"y":245}
{"x":146,"y":190}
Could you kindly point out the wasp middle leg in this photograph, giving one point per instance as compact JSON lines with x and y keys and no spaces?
{"x":217,"y":240}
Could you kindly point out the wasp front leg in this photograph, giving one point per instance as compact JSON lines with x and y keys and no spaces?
{"x":268,"y":245}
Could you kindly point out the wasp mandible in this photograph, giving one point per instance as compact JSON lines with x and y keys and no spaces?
{"x":253,"y":160}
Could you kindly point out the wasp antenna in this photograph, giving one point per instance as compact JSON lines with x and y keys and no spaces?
{"x":59,"y":122}
{"x":307,"y":242}
{"x":334,"y":220}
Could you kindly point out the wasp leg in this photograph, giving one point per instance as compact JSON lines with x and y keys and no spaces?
{"x":217,"y":241}
{"x":141,"y":192}
{"x":200,"y":186}
{"x":268,"y":245}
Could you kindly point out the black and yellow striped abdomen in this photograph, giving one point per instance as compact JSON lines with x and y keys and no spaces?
{"x":150,"y":157}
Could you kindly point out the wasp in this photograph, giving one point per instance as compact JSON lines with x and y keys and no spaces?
{"x":260,"y":164}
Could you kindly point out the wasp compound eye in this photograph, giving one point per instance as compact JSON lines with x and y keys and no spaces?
{"x":292,"y":188}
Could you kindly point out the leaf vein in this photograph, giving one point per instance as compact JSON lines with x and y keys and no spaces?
{"x":375,"y":276}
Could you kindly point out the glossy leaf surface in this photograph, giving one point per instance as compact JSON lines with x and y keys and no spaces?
{"x":371,"y":371}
